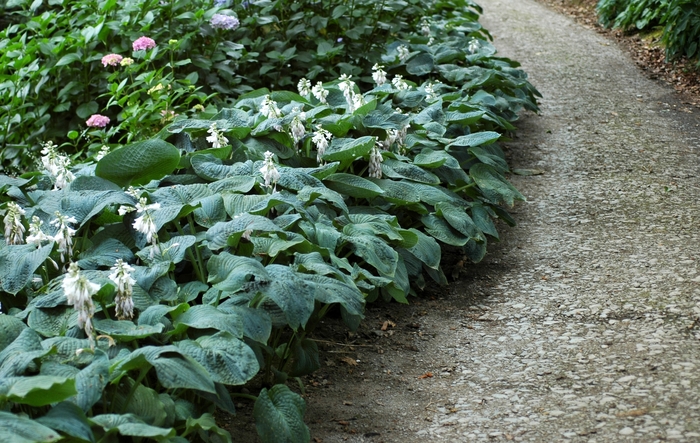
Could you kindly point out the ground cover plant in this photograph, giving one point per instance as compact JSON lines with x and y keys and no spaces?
{"x":152,"y":268}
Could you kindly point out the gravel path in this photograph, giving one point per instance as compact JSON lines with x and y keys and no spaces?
{"x":581,"y":325}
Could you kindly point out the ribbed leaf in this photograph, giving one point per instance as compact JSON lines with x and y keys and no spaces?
{"x":206,"y":424}
{"x":10,"y":328}
{"x":139,"y":162}
{"x":493,"y":185}
{"x":105,"y":254}
{"x":352,"y":185}
{"x":171,"y":251}
{"x":208,"y":317}
{"x":91,"y":381}
{"x":229,"y":272}
{"x":227,"y":359}
{"x":124,"y":330}
{"x":279,"y":416}
{"x":129,"y":425}
{"x":458,"y":219}
{"x":441,"y":230}
{"x":142,"y":401}
{"x":375,"y":252}
{"x":69,"y":419}
{"x":426,"y":250}
{"x":18,"y":263}
{"x":40,"y":390}
{"x":348,"y":148}
{"x":397,"y":169}
{"x":218,"y":235}
{"x":475,"y":139}
{"x":18,"y":429}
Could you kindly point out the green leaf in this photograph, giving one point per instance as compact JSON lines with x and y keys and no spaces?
{"x":330,"y":290}
{"x":105,"y":254}
{"x":256,"y":322}
{"x":129,"y":425}
{"x":441,"y":230}
{"x":348,"y":148}
{"x":40,"y":390}
{"x":426,"y":250}
{"x":125,"y":330}
{"x":279,"y":416}
{"x":229,"y":272}
{"x":207,"y":424}
{"x":208,"y":317}
{"x":493,"y":185}
{"x":10,"y":328}
{"x":91,"y":381}
{"x":464,"y":118}
{"x":491,"y":155}
{"x":241,"y":184}
{"x":218,"y":235}
{"x":374,"y":251}
{"x":21,"y":353}
{"x":420,"y":65}
{"x":352,"y":185}
{"x":398,"y":169}
{"x":458,"y":219}
{"x":18,"y":263}
{"x":399,"y":193}
{"x":475,"y":139}
{"x":139,"y":163}
{"x":140,"y":400}
{"x":304,"y":358}
{"x":69,"y":419}
{"x":309,"y":194}
{"x":18,"y":429}
{"x":227,"y":359}
{"x":171,"y":251}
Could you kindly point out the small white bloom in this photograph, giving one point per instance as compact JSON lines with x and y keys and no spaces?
{"x":56,"y":165}
{"x":14,"y":229}
{"x":378,"y":74}
{"x":103,"y":151}
{"x":473,"y":45}
{"x":431,"y":40}
{"x":357,"y":100}
{"x":320,"y":139}
{"x":146,"y":224}
{"x":375,"y":161}
{"x":79,"y":292}
{"x":399,"y":83}
{"x":296,"y":128}
{"x":121,"y":276}
{"x":216,"y":137}
{"x":304,"y":87}
{"x":269,"y":171}
{"x":123,"y":210}
{"x":403,"y":53}
{"x":347,"y":86}
{"x":36,"y":235}
{"x":425,"y":27}
{"x":64,"y":236}
{"x":429,"y":91}
{"x":269,"y":108}
{"x":133,"y":192}
{"x":320,"y":92}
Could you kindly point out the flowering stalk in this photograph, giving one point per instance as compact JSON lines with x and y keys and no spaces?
{"x":36,"y":234}
{"x":378,"y":74}
{"x":56,"y":165}
{"x":64,"y":236}
{"x":146,"y":224}
{"x":14,"y":229}
{"x":269,"y":108}
{"x":121,"y":276}
{"x":320,"y":92}
{"x":297,"y":129}
{"x":270,"y":173}
{"x":320,"y":139}
{"x":375,"y":161}
{"x":79,"y":291}
{"x":216,"y":138}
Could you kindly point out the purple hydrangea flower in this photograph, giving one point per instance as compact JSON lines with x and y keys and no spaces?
{"x":143,"y":43}
{"x":226,"y":22}
{"x":111,"y":60}
{"x":97,"y":121}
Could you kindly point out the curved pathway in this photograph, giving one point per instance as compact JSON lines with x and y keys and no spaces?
{"x":581,"y":325}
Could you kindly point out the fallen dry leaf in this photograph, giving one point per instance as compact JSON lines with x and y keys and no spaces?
{"x":632,"y":413}
{"x":349,"y":360}
{"x":426,"y":375}
{"x":386,"y":325}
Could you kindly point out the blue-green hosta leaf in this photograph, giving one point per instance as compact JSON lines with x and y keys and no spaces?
{"x":374,"y":251}
{"x":309,"y":194}
{"x":475,"y":250}
{"x":279,"y":416}
{"x":18,"y":429}
{"x":314,"y":262}
{"x":206,"y":425}
{"x":336,"y":124}
{"x":290,"y":292}
{"x":141,"y":401}
{"x":211,"y":211}
{"x":493,"y":185}
{"x":145,"y":276}
{"x":420,"y":65}
{"x":50,"y":322}
{"x":475,"y":139}
{"x":352,"y":185}
{"x":237,"y":204}
{"x":208,"y":317}
{"x":171,"y":251}
{"x":105,"y":254}
{"x":294,"y":179}
{"x":139,"y":162}
{"x":330,"y":290}
{"x":237,"y":184}
{"x":426,"y":249}
{"x":458,"y":219}
{"x":464,"y":118}
{"x":174,"y":369}
{"x":18,"y":263}
{"x":348,"y":148}
{"x":211,"y":168}
{"x":84,"y":205}
{"x":441,"y":230}
{"x":432,"y":113}
{"x":397,"y":169}
{"x":69,"y":419}
{"x":228,"y":272}
{"x":372,"y":227}
{"x":40,"y":390}
{"x":491,"y":155}
{"x":129,"y":425}
{"x":227,"y":359}
{"x":125,"y":330}
{"x":273,"y":245}
{"x":431,"y":159}
{"x":327,"y":236}
{"x":21,"y":353}
{"x":433,"y":195}
{"x":323,"y":171}
{"x":181,"y":194}
{"x":155,"y":315}
{"x":483,"y":220}
{"x":304,"y":358}
{"x":164,"y":289}
{"x":91,"y":381}
{"x":218,"y":235}
{"x":256,"y":322}
{"x":399,"y":193}
{"x":10,"y":328}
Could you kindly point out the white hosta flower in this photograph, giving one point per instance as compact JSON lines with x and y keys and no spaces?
{"x":14,"y":229}
{"x":391,"y":136}
{"x":64,"y":236}
{"x":304,"y":87}
{"x":36,"y":235}
{"x":320,"y":92}
{"x":320,"y":140}
{"x":121,"y":276}
{"x":297,"y":129}
{"x":399,"y":83}
{"x":357,"y":101}
{"x":146,"y":224}
{"x":123,"y":210}
{"x":403,"y":53}
{"x":429,"y":92}
{"x":56,"y":165}
{"x":216,"y":137}
{"x":375,"y":162}
{"x":378,"y":74}
{"x":79,"y":291}
{"x":473,"y":46}
{"x":269,"y":108}
{"x":103,"y":151}
{"x":133,"y":192}
{"x":425,"y":27}
{"x":270,"y":173}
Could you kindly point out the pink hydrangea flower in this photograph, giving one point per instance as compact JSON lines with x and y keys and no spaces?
{"x":143,"y":43}
{"x":97,"y":121}
{"x":111,"y":60}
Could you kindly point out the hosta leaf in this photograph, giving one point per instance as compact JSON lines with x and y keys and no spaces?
{"x":10,"y":328}
{"x":50,"y":322}
{"x":304,"y":358}
{"x":211,"y":211}
{"x":433,"y":195}
{"x":329,"y":290}
{"x":154,"y":315}
{"x":475,"y":139}
{"x":236,"y":204}
{"x":492,"y":156}
{"x":376,"y":252}
{"x":475,"y":250}
{"x":129,"y":425}
{"x":397,"y":169}
{"x":139,"y":162}
{"x":18,"y":429}
{"x":441,"y":230}
{"x":256,"y":322}
{"x":84,"y":205}
{"x":352,"y":185}
{"x":493,"y":185}
{"x":432,"y":113}
{"x":208,"y":317}
{"x":171,"y":251}
{"x":431,"y":159}
{"x":397,"y":192}
{"x":272,"y":246}
{"x":145,"y":276}
{"x":464,"y":118}
{"x":40,"y":390}
{"x":310,"y":194}
{"x":229,"y":272}
{"x":348,"y":148}
{"x":227,"y":359}
{"x":142,"y":401}
{"x":483,"y":220}
{"x":18,"y":263}
{"x":91,"y":381}
{"x":164,"y":289}
{"x":21,"y":353}
{"x":211,"y":168}
{"x":207,"y":424}
{"x":105,"y":254}
{"x":458,"y":219}
{"x":290,"y":292}
{"x":279,"y":416}
{"x":218,"y":235}
{"x":420,"y":65}
{"x":426,"y":249}
{"x":69,"y":419}
{"x":294,"y":179}
{"x":242,"y":184}
{"x":125,"y":330}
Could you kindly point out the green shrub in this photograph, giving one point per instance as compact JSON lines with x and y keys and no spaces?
{"x":682,"y":31}
{"x":626,"y":14}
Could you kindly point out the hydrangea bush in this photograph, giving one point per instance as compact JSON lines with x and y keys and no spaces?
{"x":144,"y":284}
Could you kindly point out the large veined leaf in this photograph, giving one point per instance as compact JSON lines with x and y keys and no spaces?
{"x":211,"y":168}
{"x":21,"y":353}
{"x":441,"y":230}
{"x":475,"y":139}
{"x":218,"y":235}
{"x":140,"y":400}
{"x":10,"y":328}
{"x":129,"y":425}
{"x":39,"y":390}
{"x":420,"y":65}
{"x":397,"y":169}
{"x":397,"y":192}
{"x":105,"y":254}
{"x":273,"y":245}
{"x":18,"y":429}
{"x":145,"y":276}
{"x":208,"y":317}
{"x":491,"y":155}
{"x":433,"y":195}
{"x":139,"y":162}
{"x":84,"y":205}
{"x":91,"y":381}
{"x":458,"y":219}
{"x":464,"y":118}
{"x":257,"y":323}
{"x":69,"y":419}
{"x":206,"y":424}
{"x":343,"y":149}
{"x":50,"y":322}
{"x":279,"y":416}
{"x":18,"y":263}
{"x":352,"y":185}
{"x":309,"y":194}
{"x":124,"y":330}
{"x":329,"y":290}
{"x":426,"y":250}
{"x":374,"y":251}
{"x":229,"y":360}
{"x":242,"y":184}
{"x":171,"y":251}
{"x":493,"y":185}
{"x":210,"y":212}
{"x":294,"y":179}
{"x":304,"y":358}
{"x":483,"y":220}
{"x":229,"y":272}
